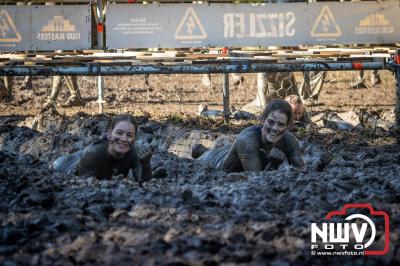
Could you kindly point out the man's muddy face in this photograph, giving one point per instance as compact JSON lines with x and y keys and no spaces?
{"x":298,"y":111}
{"x":121,"y":138}
{"x":274,"y":126}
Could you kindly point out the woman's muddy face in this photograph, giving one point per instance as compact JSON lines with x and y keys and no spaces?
{"x":274,"y":126}
{"x":121,"y":138}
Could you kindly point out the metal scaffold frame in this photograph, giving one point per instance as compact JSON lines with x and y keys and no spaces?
{"x":197,"y":66}
{"x":248,"y":66}
{"x":206,"y":67}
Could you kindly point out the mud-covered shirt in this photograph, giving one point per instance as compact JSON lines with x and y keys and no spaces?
{"x":96,"y":161}
{"x":249,"y":153}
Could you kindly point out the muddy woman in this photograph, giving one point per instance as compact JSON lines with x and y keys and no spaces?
{"x":259,"y":147}
{"x":115,"y":154}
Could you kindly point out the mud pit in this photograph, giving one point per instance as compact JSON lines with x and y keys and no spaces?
{"x":188,"y":214}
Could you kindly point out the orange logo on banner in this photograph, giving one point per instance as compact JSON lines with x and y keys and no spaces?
{"x":8,"y":31}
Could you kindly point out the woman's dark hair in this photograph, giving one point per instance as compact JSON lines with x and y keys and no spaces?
{"x":277,"y":105}
{"x":124,"y":117}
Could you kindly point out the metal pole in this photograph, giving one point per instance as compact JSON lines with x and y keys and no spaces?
{"x":397,"y":110}
{"x":100,"y":91}
{"x":227,"y":112}
{"x":97,"y":69}
{"x":100,"y":24}
{"x":261,"y":97}
{"x":397,"y":95}
{"x":100,"y":44}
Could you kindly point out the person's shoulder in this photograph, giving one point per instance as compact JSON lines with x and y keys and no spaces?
{"x":250,"y":131}
{"x":97,"y":147}
{"x":288,"y":140}
{"x":289,"y":136}
{"x":250,"y":136}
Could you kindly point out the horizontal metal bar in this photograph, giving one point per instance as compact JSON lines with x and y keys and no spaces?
{"x":241,"y":67}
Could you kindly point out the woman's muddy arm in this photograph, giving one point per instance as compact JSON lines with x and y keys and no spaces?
{"x":249,"y":157}
{"x":231,"y":159}
{"x":244,"y":152}
{"x":147,"y":174}
{"x":143,"y":170}
{"x":295,"y":156}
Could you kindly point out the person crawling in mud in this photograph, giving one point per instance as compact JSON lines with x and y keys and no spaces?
{"x":113,"y":155}
{"x":300,"y":114}
{"x":259,"y":147}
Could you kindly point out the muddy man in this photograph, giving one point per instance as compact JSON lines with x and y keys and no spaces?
{"x":258,"y":148}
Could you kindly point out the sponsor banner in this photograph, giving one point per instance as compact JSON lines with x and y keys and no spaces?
{"x":287,"y":24}
{"x":24,"y":28}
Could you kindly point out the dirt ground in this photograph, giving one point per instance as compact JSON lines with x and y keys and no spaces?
{"x":188,"y":214}
{"x":181,"y":94}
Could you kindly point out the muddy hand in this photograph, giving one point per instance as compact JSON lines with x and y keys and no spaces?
{"x":144,"y":153}
{"x":265,"y":152}
{"x":275,"y":158}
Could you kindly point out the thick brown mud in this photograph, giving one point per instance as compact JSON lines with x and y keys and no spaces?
{"x":188,"y":214}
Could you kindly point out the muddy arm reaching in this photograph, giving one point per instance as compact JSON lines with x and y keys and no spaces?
{"x":147,"y":174}
{"x":142,"y":169}
{"x":294,"y":154}
{"x":231,"y":159}
{"x":244,"y":153}
{"x":248,"y":153}
{"x":275,"y":158}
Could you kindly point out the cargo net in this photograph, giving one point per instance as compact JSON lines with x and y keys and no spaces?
{"x":333,"y":90}
{"x":190,"y":93}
